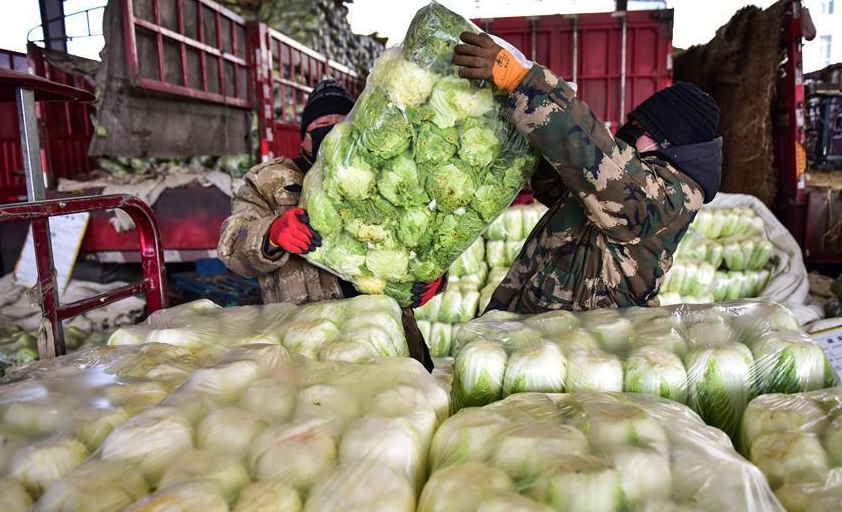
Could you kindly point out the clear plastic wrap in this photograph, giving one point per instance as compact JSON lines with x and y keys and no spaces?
{"x":471,"y":280}
{"x":267,"y":427}
{"x":587,"y":451}
{"x":516,"y":223}
{"x":713,"y":358}
{"x":471,"y":261}
{"x":422,"y":164}
{"x":796,"y":440}
{"x":689,"y":278}
{"x":354,"y":330}
{"x":725,"y":255}
{"x":18,"y":347}
{"x":55,"y":412}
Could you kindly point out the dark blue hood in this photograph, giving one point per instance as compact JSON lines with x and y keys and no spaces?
{"x":701,"y":162}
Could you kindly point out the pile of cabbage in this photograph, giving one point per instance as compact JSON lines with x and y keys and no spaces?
{"x":18,"y":347}
{"x":588,"y":452}
{"x":263,"y":430}
{"x":713,"y":358}
{"x":796,"y":440}
{"x":723,"y":256}
{"x":121,"y":167}
{"x":419,"y":168}
{"x":55,"y":413}
{"x":353,"y":330}
{"x":474,"y":276}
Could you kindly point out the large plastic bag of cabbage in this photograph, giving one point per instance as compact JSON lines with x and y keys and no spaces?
{"x":714,"y":358}
{"x":353,"y":330}
{"x":588,"y":451}
{"x":56,"y":412}
{"x":202,"y":323}
{"x":423,"y":163}
{"x":796,"y":440}
{"x":268,"y":428}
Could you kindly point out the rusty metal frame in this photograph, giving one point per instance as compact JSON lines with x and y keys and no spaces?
{"x":197,"y":91}
{"x":153,"y":285}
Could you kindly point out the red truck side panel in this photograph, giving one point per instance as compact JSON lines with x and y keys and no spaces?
{"x":285,"y":74}
{"x":588,"y":49}
{"x":12,"y":182}
{"x":65,"y":128}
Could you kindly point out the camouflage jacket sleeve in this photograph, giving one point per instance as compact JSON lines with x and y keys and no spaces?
{"x":547,"y":186}
{"x":623,"y":196}
{"x":269,"y":189}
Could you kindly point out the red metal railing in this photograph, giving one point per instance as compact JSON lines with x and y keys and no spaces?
{"x":285,"y":73}
{"x":194,"y":48}
{"x":153,"y":285}
{"x":789,"y":131}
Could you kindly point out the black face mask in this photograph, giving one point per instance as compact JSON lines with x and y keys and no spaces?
{"x":317,"y":135}
{"x":629,"y":133}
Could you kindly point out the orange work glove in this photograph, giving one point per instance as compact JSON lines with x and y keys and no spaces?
{"x":487,"y":57}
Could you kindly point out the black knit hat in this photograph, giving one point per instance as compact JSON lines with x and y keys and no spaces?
{"x":327,"y":98}
{"x":678,"y":115}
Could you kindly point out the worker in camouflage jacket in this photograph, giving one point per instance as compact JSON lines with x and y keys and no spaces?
{"x":618,"y":205}
{"x":267,"y":230}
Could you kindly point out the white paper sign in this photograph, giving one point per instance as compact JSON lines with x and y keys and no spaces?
{"x":831,"y":341}
{"x":66,"y":232}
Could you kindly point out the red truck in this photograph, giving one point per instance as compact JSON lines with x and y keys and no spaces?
{"x":616,"y":59}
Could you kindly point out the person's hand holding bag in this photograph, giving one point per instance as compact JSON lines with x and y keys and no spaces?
{"x":486,"y":57}
{"x":292,"y":232}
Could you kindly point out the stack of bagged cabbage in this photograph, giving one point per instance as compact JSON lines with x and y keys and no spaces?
{"x":264,"y":429}
{"x":723,"y":256}
{"x":261,"y":430}
{"x":796,"y":440}
{"x":353,"y":330}
{"x":257,"y":425}
{"x":19,"y":347}
{"x":588,"y":452}
{"x":55,"y":413}
{"x":474,"y":276}
{"x":420,"y":167}
{"x":713,"y":358}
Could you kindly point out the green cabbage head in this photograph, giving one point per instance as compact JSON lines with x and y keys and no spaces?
{"x":478,"y":144}
{"x":384,"y":130}
{"x":450,"y":186}
{"x":454,"y":99}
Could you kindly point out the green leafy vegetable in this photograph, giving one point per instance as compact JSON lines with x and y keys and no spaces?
{"x":420,"y":167}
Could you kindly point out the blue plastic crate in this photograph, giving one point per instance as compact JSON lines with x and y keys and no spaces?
{"x":226,"y":289}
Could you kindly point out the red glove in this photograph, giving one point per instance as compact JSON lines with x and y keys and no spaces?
{"x":423,"y":292}
{"x":292,"y":232}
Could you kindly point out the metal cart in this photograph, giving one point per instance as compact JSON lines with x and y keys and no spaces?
{"x":25,"y":90}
